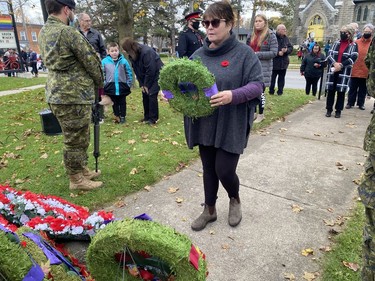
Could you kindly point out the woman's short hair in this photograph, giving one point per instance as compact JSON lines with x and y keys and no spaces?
{"x":348,"y":28}
{"x":220,"y":10}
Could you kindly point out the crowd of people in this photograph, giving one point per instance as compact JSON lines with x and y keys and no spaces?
{"x":12,"y":60}
{"x":80,"y":54}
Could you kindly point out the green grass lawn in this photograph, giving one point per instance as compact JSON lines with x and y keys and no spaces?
{"x":133,"y":156}
{"x":13,"y":83}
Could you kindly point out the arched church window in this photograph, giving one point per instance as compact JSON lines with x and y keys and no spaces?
{"x":359,"y":14}
{"x":365,"y":13}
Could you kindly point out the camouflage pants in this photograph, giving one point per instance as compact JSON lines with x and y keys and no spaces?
{"x":366,"y":191}
{"x":75,"y":124}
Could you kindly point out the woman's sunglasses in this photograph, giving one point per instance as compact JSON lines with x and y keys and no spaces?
{"x":214,"y":23}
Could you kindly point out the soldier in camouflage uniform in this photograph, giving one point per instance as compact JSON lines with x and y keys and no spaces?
{"x":366,"y":188}
{"x":74,"y":77}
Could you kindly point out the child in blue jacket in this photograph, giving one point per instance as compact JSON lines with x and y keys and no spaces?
{"x":118,"y":79}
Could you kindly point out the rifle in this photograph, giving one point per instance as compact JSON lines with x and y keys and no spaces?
{"x":96,"y":121}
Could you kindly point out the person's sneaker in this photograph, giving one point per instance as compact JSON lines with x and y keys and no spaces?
{"x":101,"y":121}
{"x":122,"y":120}
{"x":361,"y":107}
{"x":337,"y":114}
{"x":348,"y":106}
{"x":150,"y":122}
{"x":329,"y":113}
{"x":260,"y":118}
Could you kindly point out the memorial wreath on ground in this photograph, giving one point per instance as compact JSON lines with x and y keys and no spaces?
{"x":134,"y":249}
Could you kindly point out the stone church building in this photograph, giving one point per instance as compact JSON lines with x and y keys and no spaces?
{"x":322,"y":19}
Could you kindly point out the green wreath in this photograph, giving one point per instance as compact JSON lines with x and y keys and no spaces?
{"x":16,"y":263}
{"x":188,"y":85}
{"x":168,"y":250}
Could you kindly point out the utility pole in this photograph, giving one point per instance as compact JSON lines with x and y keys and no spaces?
{"x":44,"y":10}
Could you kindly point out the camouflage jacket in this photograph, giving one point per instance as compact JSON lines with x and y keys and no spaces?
{"x":369,"y":142}
{"x":74,"y":69}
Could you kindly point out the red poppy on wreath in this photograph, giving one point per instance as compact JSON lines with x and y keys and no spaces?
{"x":225,"y":63}
{"x":23,"y":244}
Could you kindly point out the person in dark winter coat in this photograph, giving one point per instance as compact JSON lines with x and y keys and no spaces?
{"x":118,"y":78}
{"x":222,"y":136}
{"x":146,"y":64}
{"x":190,"y":39}
{"x":312,"y":68}
{"x":281,"y":61}
{"x":341,"y":58}
{"x":264,"y":43}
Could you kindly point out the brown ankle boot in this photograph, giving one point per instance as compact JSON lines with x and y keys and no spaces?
{"x":235,"y":214}
{"x":208,"y":215}
{"x":90,"y":174}
{"x":78,"y":181}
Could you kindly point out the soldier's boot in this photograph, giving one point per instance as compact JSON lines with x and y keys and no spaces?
{"x":235,"y":213}
{"x":90,"y":174}
{"x":78,"y":181}
{"x":208,"y":215}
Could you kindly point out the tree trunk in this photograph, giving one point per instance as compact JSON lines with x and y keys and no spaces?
{"x":125,"y":19}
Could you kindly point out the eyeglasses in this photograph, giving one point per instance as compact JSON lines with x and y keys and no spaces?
{"x":215,"y":23}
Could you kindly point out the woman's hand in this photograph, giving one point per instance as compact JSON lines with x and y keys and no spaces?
{"x":221,"y":98}
{"x":338,"y":66}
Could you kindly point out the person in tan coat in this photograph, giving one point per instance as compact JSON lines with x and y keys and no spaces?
{"x":358,"y":89}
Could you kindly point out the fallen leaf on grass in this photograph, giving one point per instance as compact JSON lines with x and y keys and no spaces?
{"x":307,"y":252}
{"x":133,"y":171}
{"x":296,"y":208}
{"x":351,"y":265}
{"x":173,"y":189}
{"x":20,"y":147}
{"x":289,"y":276}
{"x":147,"y":187}
{"x":44,"y":156}
{"x":131,"y":141}
{"x":174,"y":143}
{"x":72,"y":195}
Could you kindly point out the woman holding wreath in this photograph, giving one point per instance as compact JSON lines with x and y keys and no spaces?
{"x":223,"y":136}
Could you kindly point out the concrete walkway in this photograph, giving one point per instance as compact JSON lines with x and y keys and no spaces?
{"x":306,"y":163}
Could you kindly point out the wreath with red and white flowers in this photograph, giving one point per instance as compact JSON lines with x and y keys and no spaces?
{"x":54,"y":215}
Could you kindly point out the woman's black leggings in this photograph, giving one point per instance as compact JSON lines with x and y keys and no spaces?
{"x":219,"y":165}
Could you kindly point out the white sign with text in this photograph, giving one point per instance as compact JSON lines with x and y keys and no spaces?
{"x":7,"y":39}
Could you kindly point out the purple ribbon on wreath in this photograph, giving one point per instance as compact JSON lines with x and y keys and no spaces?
{"x":51,"y":253}
{"x":209,"y":92}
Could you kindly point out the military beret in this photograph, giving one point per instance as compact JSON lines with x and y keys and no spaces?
{"x":194,"y":15}
{"x":70,"y":3}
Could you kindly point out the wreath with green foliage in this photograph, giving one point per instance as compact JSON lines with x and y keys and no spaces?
{"x":136,"y":248}
{"x":22,"y":253}
{"x":188,"y":85}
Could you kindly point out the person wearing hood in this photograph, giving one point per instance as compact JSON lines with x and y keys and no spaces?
{"x":190,"y":39}
{"x":118,"y":79}
{"x":341,"y":58}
